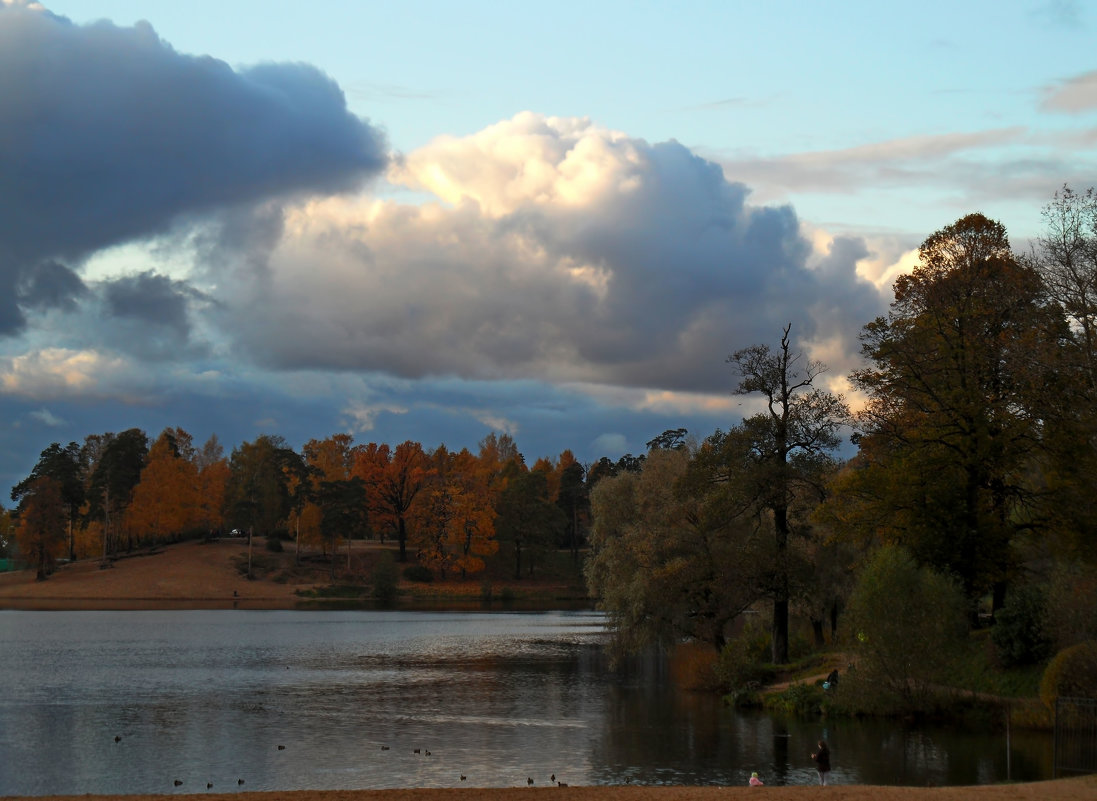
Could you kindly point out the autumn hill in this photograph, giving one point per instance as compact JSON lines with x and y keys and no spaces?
{"x":214,"y":575}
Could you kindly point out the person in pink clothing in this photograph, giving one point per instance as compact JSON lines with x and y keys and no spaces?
{"x":754,"y":780}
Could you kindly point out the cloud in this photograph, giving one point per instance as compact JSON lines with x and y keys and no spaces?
{"x":47,"y":418}
{"x":1075,"y":95}
{"x":558,"y":251}
{"x":109,"y":135}
{"x":60,"y":373}
{"x":904,"y":163}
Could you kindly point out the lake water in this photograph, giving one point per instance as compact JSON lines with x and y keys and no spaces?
{"x":284,"y":700}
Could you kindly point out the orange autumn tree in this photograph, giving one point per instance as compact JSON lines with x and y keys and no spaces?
{"x":454,"y":523}
{"x":473,"y":497}
{"x":394,"y":479}
{"x":328,"y":460}
{"x":41,"y":531}
{"x":165,"y":500}
{"x":213,"y":478}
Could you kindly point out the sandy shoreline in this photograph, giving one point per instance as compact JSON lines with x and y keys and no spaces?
{"x":1075,"y":789}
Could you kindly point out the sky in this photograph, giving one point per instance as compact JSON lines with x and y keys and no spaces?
{"x":438,"y":220}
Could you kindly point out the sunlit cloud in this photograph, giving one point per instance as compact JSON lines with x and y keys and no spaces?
{"x":1073,"y":95}
{"x":60,"y":373}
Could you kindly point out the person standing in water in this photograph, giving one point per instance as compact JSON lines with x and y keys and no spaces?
{"x":822,"y":761}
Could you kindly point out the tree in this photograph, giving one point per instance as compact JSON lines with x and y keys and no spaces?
{"x":64,"y":465}
{"x":394,"y":480}
{"x":41,"y":531}
{"x":787,"y":446}
{"x":667,"y":561}
{"x":7,"y":533}
{"x":526,"y":517}
{"x":470,"y":507}
{"x":165,"y":500}
{"x":116,"y":463}
{"x":343,"y":512}
{"x":909,"y":624}
{"x":213,"y":478}
{"x":257,"y":495}
{"x":961,"y":373}
{"x":1065,"y":257}
{"x":573,"y":500}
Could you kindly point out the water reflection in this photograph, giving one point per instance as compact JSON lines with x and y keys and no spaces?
{"x":209,"y":696}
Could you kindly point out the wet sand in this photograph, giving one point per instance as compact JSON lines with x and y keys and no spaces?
{"x":1076,"y":789}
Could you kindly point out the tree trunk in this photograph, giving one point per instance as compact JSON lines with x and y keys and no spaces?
{"x":781,"y":593}
{"x":402,"y":538}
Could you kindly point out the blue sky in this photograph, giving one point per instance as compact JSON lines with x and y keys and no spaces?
{"x":433,"y":220}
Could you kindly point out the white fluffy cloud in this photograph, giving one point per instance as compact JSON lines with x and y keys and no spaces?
{"x":557,"y":250}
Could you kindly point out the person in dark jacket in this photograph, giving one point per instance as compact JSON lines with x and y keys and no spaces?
{"x":822,"y":761}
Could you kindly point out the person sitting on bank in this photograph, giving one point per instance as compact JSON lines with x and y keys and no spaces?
{"x":754,"y":780}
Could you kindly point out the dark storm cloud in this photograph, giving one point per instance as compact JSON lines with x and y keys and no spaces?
{"x":107,"y":135}
{"x":152,"y":299}
{"x":50,"y":285}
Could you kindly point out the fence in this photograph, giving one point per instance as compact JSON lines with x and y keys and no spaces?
{"x":1075,"y":736}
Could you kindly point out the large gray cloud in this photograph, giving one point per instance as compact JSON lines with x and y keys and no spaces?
{"x":565,"y":253}
{"x":107,"y":134}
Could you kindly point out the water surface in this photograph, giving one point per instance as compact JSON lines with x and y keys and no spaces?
{"x":130,"y":702}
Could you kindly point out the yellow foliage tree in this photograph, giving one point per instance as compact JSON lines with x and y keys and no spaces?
{"x":166,"y":500}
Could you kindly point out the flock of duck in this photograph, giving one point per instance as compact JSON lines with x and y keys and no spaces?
{"x":422,"y":751}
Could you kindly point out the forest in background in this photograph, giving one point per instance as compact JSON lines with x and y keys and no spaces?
{"x":969,"y":501}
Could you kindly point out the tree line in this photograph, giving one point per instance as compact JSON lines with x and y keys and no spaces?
{"x":976,"y":451}
{"x":118,"y":492}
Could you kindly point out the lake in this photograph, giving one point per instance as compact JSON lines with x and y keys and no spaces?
{"x":132,"y":702}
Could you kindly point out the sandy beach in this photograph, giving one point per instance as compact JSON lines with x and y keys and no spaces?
{"x":1076,"y":789}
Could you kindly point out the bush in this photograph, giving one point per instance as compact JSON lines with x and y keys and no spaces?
{"x":385,"y":579}
{"x":742,"y":667}
{"x":1072,"y":673}
{"x":418,"y":573}
{"x":1072,"y":606}
{"x":274,"y":544}
{"x":798,"y":699}
{"x":1020,"y":635}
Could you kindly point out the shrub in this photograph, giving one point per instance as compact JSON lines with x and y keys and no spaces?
{"x":418,"y":573}
{"x":1072,"y":673}
{"x":742,"y":667}
{"x":385,"y":579}
{"x":797,"y":699}
{"x":1072,"y":605}
{"x":274,"y":544}
{"x":1020,"y":636}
